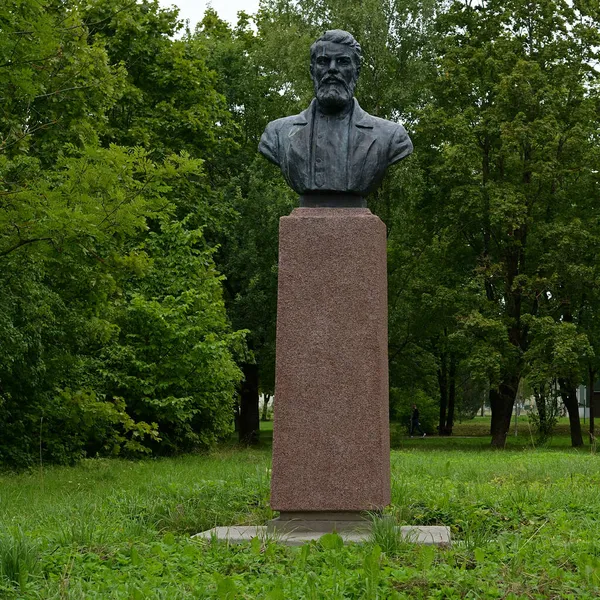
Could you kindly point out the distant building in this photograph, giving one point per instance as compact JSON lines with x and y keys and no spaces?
{"x":584,"y":401}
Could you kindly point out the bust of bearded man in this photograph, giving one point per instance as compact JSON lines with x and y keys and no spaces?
{"x":334,"y":153}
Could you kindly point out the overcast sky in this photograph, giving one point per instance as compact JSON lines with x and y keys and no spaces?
{"x":227,"y":9}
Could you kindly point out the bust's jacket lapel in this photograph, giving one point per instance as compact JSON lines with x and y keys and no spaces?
{"x":297,"y":151}
{"x":364,"y":160}
{"x":369,"y":149}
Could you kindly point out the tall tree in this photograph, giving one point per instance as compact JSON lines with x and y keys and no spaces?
{"x":509,"y":132}
{"x":112,"y":325}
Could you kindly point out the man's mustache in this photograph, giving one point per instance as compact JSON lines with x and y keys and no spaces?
{"x":327,"y":79}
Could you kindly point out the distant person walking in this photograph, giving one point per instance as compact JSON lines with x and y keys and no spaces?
{"x":414,"y":422}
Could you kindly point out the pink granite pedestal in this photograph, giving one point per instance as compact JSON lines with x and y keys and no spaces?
{"x":331,"y":449}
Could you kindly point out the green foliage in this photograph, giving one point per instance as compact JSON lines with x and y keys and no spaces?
{"x":557,"y":349}
{"x":113,"y":331}
{"x":249,"y":258}
{"x":372,"y":568}
{"x":386,"y":538}
{"x":56,"y":83}
{"x":249,"y":245}
{"x":172,"y":359}
{"x":169,"y":102}
{"x":114,"y":312}
{"x":544,"y":417}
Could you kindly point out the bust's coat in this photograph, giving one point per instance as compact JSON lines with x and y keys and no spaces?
{"x":374,"y":145}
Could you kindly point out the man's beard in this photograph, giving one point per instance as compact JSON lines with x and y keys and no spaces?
{"x":334,"y":93}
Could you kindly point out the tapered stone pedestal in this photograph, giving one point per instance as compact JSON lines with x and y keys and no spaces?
{"x":331,"y":429}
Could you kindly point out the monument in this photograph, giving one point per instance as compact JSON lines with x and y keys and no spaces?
{"x":331,"y":454}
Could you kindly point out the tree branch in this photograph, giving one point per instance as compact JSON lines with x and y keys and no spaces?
{"x":23,"y":243}
{"x":75,"y":87}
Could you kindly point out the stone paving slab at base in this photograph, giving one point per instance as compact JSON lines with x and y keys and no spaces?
{"x":433,"y":535}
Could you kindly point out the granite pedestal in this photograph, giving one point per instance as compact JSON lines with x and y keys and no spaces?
{"x":331,"y":449}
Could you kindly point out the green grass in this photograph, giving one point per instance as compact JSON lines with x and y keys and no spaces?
{"x":479,"y":427}
{"x":525,"y":525}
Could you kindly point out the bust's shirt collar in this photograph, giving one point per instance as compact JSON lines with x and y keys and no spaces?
{"x":359,"y":117}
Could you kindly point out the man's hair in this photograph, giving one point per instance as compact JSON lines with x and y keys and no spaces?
{"x":338,"y":36}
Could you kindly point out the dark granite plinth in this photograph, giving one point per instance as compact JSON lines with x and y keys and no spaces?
{"x":331,"y":432}
{"x":324,"y":522}
{"x":332,"y":201}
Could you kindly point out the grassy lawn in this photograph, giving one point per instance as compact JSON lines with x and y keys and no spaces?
{"x":479,"y":427}
{"x":525,"y":523}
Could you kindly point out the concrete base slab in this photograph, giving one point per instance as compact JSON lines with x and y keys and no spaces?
{"x":427,"y":535}
{"x":433,"y":535}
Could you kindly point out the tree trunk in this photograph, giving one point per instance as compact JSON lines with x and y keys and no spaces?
{"x":451,"y":397}
{"x":443,"y":384}
{"x":568,"y":393}
{"x":540,"y":403}
{"x":591,"y":382}
{"x":249,"y":423}
{"x":502,"y":401}
{"x":265,"y":407}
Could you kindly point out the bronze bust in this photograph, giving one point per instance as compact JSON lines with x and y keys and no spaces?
{"x":334,"y":153}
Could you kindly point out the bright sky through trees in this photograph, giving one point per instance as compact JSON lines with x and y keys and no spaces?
{"x":227,"y":9}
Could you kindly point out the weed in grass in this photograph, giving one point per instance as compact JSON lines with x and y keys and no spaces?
{"x":312,"y":590}
{"x":590,"y":567}
{"x":400,"y":489}
{"x":372,"y":572}
{"x":303,"y":556}
{"x":474,"y":534}
{"x":277,"y":592}
{"x":426,"y":556}
{"x":226,"y":587}
{"x":471,"y":542}
{"x":331,"y":541}
{"x":134,"y":529}
{"x":386,"y":535}
{"x":19,"y":557}
{"x":85,"y":528}
{"x":269,"y":538}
